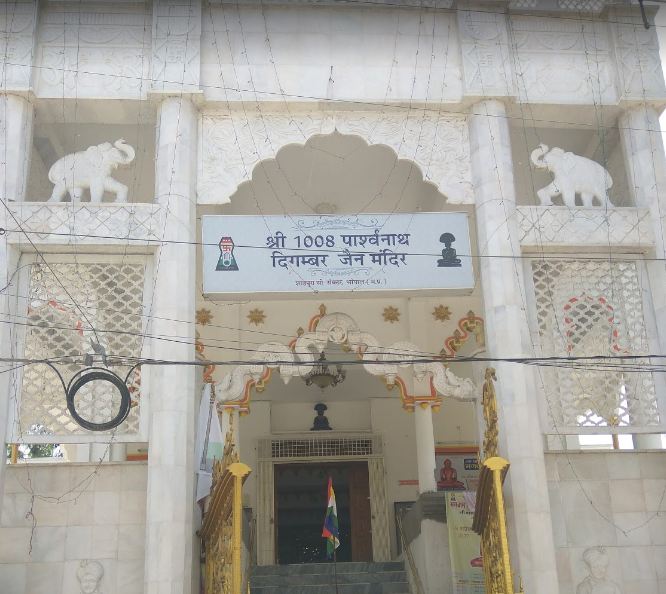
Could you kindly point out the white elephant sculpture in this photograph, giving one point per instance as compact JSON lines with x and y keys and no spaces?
{"x":91,"y":169}
{"x":573,"y":175}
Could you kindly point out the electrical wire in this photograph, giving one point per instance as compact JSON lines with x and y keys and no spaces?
{"x":526,"y":256}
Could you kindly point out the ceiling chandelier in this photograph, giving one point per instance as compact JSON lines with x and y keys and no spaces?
{"x":322,"y":377}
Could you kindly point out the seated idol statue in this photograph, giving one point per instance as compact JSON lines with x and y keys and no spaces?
{"x":320,"y":422}
{"x":448,"y":477}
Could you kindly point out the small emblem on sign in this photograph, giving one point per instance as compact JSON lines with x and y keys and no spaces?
{"x":448,"y":258}
{"x":226,"y":261}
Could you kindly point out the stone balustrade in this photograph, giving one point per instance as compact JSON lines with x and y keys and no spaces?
{"x":138,"y":225}
{"x":561,"y":226}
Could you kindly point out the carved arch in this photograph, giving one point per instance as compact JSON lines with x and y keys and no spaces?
{"x":232,"y":145}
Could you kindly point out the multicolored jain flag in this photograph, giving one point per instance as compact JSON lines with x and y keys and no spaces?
{"x":330,"y":531}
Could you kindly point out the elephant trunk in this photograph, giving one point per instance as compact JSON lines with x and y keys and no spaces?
{"x":538,"y":154}
{"x":126,"y":149}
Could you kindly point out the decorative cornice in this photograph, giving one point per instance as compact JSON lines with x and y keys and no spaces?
{"x":575,"y":6}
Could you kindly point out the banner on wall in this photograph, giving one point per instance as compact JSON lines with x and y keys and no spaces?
{"x":464,"y":543}
{"x":306,"y":254}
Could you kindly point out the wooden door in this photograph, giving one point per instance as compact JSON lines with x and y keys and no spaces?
{"x":359,"y":512}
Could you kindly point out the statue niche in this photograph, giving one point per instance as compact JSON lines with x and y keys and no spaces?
{"x":573,"y":175}
{"x":91,"y":169}
{"x":320,"y":422}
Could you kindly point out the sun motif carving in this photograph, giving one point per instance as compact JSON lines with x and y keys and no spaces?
{"x":391,"y":314}
{"x":256,"y":316}
{"x":441,"y":313}
{"x":203,"y":316}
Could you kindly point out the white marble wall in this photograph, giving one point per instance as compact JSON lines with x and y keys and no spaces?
{"x":615,"y":500}
{"x":93,"y":51}
{"x":99,"y":516}
{"x":431,"y":543}
{"x":256,"y":51}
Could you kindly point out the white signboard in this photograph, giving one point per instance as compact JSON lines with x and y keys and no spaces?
{"x":305,"y":254}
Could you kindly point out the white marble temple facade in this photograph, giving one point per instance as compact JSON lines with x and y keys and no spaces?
{"x":313,"y":106}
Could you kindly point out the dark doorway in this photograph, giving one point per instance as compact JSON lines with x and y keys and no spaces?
{"x":300,"y":507}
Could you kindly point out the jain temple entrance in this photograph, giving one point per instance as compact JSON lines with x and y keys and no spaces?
{"x":300,"y":497}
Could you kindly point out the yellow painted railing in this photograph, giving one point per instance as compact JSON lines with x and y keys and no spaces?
{"x":222,"y":529}
{"x":490,"y":523}
{"x":489,"y":515}
{"x":222,"y":532}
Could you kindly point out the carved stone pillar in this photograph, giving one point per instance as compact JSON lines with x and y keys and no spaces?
{"x":381,"y":540}
{"x":646,"y":173}
{"x":265,"y":512}
{"x":507,"y":334}
{"x":170,"y":500}
{"x":425,"y":447}
{"x":16,"y":117}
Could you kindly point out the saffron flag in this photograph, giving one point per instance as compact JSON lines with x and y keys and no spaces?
{"x":330,"y":531}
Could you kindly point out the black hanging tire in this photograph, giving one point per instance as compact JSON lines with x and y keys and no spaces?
{"x":99,"y":374}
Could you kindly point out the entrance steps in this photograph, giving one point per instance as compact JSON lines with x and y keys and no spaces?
{"x":319,"y":578}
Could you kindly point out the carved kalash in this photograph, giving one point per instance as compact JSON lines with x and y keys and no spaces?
{"x":489,"y":515}
{"x":221,"y":531}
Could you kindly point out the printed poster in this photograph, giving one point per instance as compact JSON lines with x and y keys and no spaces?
{"x":464,"y":543}
{"x":456,"y":471}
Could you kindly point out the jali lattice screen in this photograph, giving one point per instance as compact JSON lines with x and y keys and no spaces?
{"x":585,"y":308}
{"x":66,"y":299}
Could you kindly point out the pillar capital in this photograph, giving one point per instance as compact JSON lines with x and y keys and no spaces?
{"x":491,"y":106}
{"x":424,"y":403}
{"x":231,"y":408}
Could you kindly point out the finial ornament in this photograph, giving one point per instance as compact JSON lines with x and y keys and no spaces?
{"x":489,"y":404}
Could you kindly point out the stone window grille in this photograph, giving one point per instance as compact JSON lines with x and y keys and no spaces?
{"x":585,"y":308}
{"x":111,"y":291}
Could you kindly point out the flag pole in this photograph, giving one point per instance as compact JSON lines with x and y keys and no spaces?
{"x":335,"y":570}
{"x":330,"y":531}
